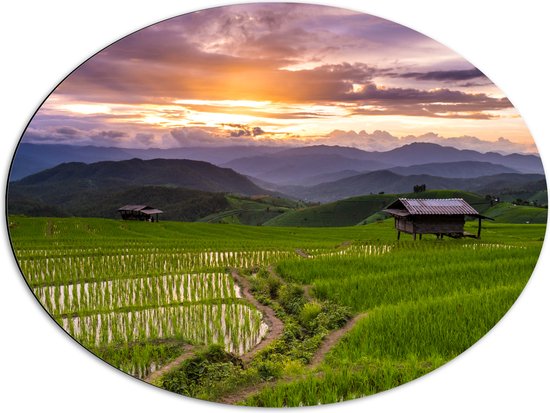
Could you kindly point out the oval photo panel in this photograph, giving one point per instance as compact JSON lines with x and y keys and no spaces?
{"x":276,"y":204}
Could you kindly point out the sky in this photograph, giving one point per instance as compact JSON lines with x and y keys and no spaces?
{"x":279,"y":74}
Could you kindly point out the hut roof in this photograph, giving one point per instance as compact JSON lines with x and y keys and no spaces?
{"x":151,"y":211}
{"x":452,"y":206}
{"x":141,"y":208}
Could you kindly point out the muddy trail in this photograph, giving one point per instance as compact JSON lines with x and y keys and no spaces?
{"x":332,"y":339}
{"x":328,"y":343}
{"x":275,"y":325}
{"x":189,"y":351}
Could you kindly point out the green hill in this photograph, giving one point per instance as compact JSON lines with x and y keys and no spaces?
{"x":355,"y":210}
{"x":178,"y":204}
{"x":517,"y":214}
{"x":186,"y":190}
{"x":66,"y":181}
{"x":540,"y":197}
{"x":251,"y":211}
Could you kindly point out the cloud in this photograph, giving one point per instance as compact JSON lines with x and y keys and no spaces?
{"x":384,"y":141}
{"x":67,"y":130}
{"x":73,"y":136}
{"x":238,"y":130}
{"x":444,"y":75}
{"x":146,"y":139}
{"x":111,"y":134}
{"x":314,"y":67}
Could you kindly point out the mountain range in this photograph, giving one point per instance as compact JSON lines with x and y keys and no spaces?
{"x":303,"y":166}
{"x":31,"y":158}
{"x":189,"y":189}
{"x":279,"y":165}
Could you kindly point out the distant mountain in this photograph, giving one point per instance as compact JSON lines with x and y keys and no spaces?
{"x":344,"y":151}
{"x":329,"y":177}
{"x":32,"y":158}
{"x":306,"y":166}
{"x":390,"y":182}
{"x":424,"y":153}
{"x":275,"y":164}
{"x":298,"y":166}
{"x":461,"y":169}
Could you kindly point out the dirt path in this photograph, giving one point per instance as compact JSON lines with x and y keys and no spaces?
{"x":275,"y":325}
{"x":187,"y":353}
{"x":332,"y":339}
{"x":328,"y":343}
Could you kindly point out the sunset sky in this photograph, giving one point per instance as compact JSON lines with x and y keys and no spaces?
{"x":279,"y":74}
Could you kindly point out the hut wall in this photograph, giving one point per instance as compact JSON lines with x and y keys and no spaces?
{"x":433,"y":224}
{"x":133,"y":215}
{"x":404,"y":224}
{"x":430,"y":224}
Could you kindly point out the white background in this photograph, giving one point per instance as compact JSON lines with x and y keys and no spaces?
{"x":42,"y":368}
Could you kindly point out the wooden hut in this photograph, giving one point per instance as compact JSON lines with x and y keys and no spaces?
{"x":139,"y":213}
{"x":433,"y":216}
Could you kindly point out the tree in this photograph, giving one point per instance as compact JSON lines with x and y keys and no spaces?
{"x":419,"y":188}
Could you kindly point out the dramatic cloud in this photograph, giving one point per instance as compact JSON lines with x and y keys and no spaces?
{"x":273,"y":73}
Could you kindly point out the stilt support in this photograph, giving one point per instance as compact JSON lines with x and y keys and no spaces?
{"x":478,"y":228}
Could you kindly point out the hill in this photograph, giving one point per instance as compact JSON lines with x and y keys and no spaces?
{"x":63,"y":182}
{"x":178,"y":204}
{"x":355,"y":210}
{"x":390,"y":182}
{"x":461,"y":169}
{"x":251,"y":211}
{"x":186,"y":190}
{"x":517,"y":214}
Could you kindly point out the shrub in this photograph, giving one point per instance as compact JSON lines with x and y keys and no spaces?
{"x":291,"y":297}
{"x":309,"y":312}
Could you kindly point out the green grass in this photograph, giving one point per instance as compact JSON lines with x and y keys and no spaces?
{"x":426,"y":303}
{"x":364,"y":281}
{"x":431,"y":328}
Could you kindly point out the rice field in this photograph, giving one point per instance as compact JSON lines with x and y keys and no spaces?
{"x":426,"y":303}
{"x":134,"y":293}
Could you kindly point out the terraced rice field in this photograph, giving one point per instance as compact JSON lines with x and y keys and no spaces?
{"x":137,"y":294}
